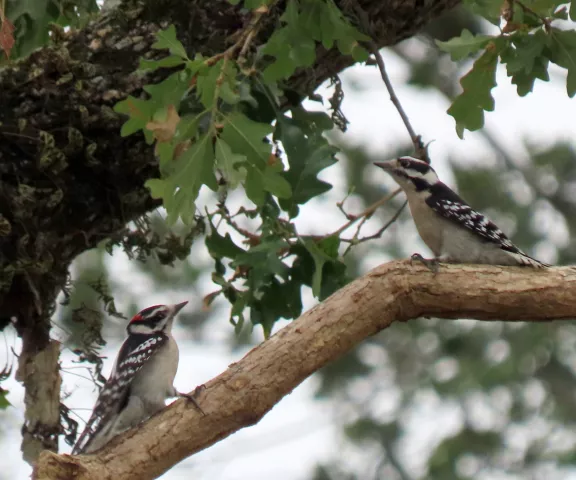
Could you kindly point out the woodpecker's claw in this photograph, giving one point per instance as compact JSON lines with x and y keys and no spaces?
{"x":430,"y":263}
{"x":192,"y":397}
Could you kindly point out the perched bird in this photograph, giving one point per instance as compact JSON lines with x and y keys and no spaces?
{"x":141,"y":379}
{"x":448,"y":225}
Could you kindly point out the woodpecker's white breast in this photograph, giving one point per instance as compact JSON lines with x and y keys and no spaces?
{"x":154,"y":382}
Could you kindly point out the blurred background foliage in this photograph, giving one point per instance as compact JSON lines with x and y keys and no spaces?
{"x":505,"y":389}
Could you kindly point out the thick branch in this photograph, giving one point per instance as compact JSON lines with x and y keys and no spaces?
{"x":243,"y":394}
{"x":39,"y":372}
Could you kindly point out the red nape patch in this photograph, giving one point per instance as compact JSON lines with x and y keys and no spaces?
{"x":136,"y":318}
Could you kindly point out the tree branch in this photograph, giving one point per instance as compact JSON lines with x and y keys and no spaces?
{"x":244,"y":393}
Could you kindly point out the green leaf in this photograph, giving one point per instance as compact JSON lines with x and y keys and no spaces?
{"x":238,"y":311}
{"x":247,"y":137}
{"x":263,"y":262}
{"x":266,"y":310}
{"x":170,"y":91}
{"x":179,"y":189}
{"x":139,"y":112}
{"x":528,"y":48}
{"x":33,"y":20}
{"x":573,"y":10}
{"x":525,"y":60}
{"x":4,"y":403}
{"x":276,"y":183}
{"x":308,"y":155}
{"x":562,"y":51}
{"x":221,"y":73}
{"x":322,"y":253}
{"x":464,"y":45}
{"x":220,"y":247}
{"x":489,"y":9}
{"x":525,"y":81}
{"x":468,"y":108}
{"x":254,"y":185}
{"x":167,"y":39}
{"x":336,"y":28}
{"x":166,"y":62}
{"x":230,"y":163}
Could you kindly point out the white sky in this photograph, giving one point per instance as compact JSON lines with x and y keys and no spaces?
{"x":299,"y":432}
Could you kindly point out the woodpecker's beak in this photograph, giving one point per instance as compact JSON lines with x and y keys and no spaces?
{"x":388,"y":166}
{"x":179,"y":306}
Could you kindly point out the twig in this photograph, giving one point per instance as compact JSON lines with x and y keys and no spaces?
{"x":379,"y":233}
{"x":251,"y":32}
{"x":416,"y":140}
{"x":253,"y":238}
{"x":545,"y":21}
{"x":246,"y":37}
{"x":340,"y":206}
{"x":419,"y":147}
{"x":367,"y":213}
{"x":386,"y":225}
{"x":354,"y":239}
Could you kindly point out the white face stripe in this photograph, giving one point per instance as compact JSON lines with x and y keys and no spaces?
{"x":144,"y":329}
{"x":411,"y":173}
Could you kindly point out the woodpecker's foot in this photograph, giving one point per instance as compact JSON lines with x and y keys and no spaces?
{"x":192,"y":397}
{"x":430,"y":263}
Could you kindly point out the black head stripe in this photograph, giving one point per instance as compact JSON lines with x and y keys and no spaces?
{"x":419,"y":183}
{"x":152,"y":311}
{"x":416,"y":165}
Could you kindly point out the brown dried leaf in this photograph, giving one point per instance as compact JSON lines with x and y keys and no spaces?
{"x":164,"y":131}
{"x":6,"y":35}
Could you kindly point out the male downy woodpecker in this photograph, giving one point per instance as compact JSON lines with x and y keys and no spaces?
{"x":141,"y":379}
{"x":447,"y":224}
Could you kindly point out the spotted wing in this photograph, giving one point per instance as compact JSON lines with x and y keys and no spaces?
{"x":133,"y":355}
{"x":452,"y":207}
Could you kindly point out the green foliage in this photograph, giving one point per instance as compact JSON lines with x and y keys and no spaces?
{"x":4,"y":403}
{"x":464,"y":45}
{"x":167,"y":40}
{"x":527,"y":44}
{"x":216,"y":124}
{"x":468,"y":108}
{"x":308,"y":154}
{"x":306,"y":23}
{"x":33,"y":20}
{"x":179,"y":189}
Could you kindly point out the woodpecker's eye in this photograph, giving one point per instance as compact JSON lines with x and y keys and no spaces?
{"x":404,"y":163}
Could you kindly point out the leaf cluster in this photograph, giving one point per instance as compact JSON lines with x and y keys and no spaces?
{"x":217,"y":123}
{"x":533,"y":37}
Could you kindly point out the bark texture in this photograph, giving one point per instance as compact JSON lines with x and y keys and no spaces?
{"x":242,"y":395}
{"x":67,"y":178}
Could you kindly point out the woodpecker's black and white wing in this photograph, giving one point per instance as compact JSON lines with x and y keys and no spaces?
{"x":135,"y":352}
{"x":451,"y":206}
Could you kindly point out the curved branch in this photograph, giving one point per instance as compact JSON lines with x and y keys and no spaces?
{"x":245,"y":392}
